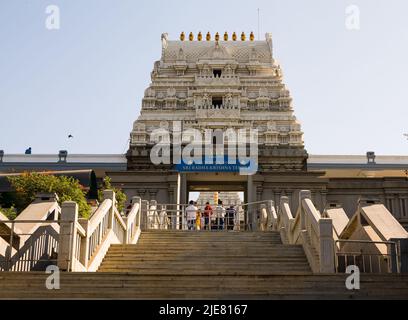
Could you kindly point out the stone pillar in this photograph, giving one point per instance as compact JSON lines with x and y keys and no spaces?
{"x":183,"y":188}
{"x":68,"y":235}
{"x":171,"y":194}
{"x":259,"y":191}
{"x":323,"y":194}
{"x":326,"y":249}
{"x":138,"y":201}
{"x":313,"y":197}
{"x":272,"y":197}
{"x":251,"y":216}
{"x":178,"y":194}
{"x":277,"y":195}
{"x":395,"y":207}
{"x":404,"y":206}
{"x":303,"y":194}
{"x":390,"y":203}
{"x":142,"y":193}
{"x":403,"y":244}
{"x":110,"y":194}
{"x":289,"y":193}
{"x":84,"y":257}
{"x":144,"y":211}
{"x":153,"y":194}
{"x":250,"y":189}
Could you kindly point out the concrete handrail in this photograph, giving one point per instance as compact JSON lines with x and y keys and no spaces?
{"x":95,"y":220}
{"x":83,"y":247}
{"x":310,"y":230}
{"x":31,"y":237}
{"x":285,"y":220}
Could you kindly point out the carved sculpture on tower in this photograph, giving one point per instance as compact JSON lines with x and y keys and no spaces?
{"x":228,"y":100}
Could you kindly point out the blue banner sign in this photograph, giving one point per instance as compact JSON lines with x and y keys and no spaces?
{"x":207,"y":165}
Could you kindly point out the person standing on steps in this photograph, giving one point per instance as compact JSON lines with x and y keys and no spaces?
{"x":191,"y":212}
{"x":208,"y":212}
{"x":230,"y":217}
{"x":220,"y":214}
{"x":198,"y":217}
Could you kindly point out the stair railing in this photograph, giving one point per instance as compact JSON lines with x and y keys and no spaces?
{"x":28,"y":244}
{"x":309,"y":229}
{"x":164,"y":216}
{"x":385,"y":260}
{"x":260,"y":215}
{"x":84,"y":244}
{"x":32,"y":251}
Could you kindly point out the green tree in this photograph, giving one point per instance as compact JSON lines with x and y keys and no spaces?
{"x":120,"y":195}
{"x":67,"y":189}
{"x":10,"y":213}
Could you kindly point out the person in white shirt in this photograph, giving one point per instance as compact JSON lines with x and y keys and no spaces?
{"x":191,"y":214}
{"x":220,"y":214}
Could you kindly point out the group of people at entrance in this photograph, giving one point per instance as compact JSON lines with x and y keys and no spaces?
{"x":218,"y":218}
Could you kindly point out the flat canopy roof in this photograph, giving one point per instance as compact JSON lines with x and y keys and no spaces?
{"x":335,"y":165}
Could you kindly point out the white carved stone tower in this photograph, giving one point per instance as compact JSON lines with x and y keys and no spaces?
{"x":220,"y":85}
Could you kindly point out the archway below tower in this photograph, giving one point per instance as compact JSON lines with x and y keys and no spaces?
{"x":230,"y":185}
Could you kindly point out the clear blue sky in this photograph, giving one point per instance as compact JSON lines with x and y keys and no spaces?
{"x":87,"y":79}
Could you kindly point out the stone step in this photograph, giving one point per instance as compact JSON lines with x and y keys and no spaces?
{"x":194,"y":253}
{"x":210,"y":265}
{"x":202,"y":233}
{"x":204,"y":252}
{"x":191,"y":272}
{"x":198,"y":286}
{"x":270,"y":248}
{"x":278,"y":277}
{"x":220,"y":232}
{"x":205,"y":242}
{"x":319,"y":276}
{"x":195,"y":259}
{"x":170,"y":292}
{"x":210,"y":238}
{"x":159,"y":290}
{"x":211,"y":235}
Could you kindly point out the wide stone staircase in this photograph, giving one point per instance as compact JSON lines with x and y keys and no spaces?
{"x":204,"y":265}
{"x":206,"y":253}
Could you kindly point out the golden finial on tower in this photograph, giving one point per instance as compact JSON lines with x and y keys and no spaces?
{"x":251,"y":36}
{"x":217,"y":37}
{"x":225,"y":36}
{"x":234,"y":37}
{"x":191,"y":36}
{"x":208,"y":36}
{"x":182,"y":36}
{"x":243,"y":37}
{"x":199,"y":36}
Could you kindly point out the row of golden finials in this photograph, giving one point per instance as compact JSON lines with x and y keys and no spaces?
{"x":217,"y":36}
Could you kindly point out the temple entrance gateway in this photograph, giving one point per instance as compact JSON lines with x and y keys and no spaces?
{"x":221,"y":86}
{"x":229,"y":187}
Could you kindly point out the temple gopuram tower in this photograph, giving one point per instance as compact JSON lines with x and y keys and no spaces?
{"x":207,"y":83}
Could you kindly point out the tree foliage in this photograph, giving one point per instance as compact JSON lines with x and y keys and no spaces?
{"x":120,"y":195}
{"x":67,"y":189}
{"x":10,"y":213}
